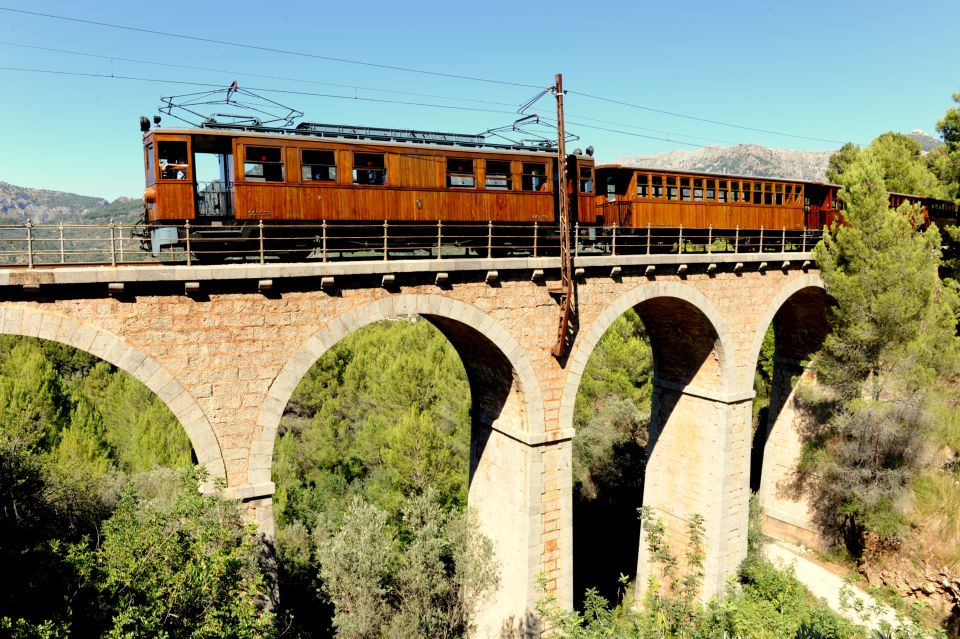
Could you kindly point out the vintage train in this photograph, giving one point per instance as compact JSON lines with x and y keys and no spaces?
{"x":228,"y":186}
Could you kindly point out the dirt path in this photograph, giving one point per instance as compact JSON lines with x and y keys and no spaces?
{"x":827,"y":586}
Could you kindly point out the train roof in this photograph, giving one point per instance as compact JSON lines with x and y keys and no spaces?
{"x":376,"y":135}
{"x":729,"y":176}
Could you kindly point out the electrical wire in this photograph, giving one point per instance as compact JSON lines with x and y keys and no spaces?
{"x":255,"y":47}
{"x":419,"y":71}
{"x":214,"y":86}
{"x":699,"y":119}
{"x":252,"y":75}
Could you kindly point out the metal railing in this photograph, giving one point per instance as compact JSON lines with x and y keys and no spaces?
{"x":33,"y":245}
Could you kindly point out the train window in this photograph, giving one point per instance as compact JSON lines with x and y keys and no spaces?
{"x":643,"y":190}
{"x":722,"y":190}
{"x":611,"y":189}
{"x":263,"y":164}
{"x":757,"y":193}
{"x":498,"y":176}
{"x":710,"y":190}
{"x":586,"y":179}
{"x":697,"y":190}
{"x":460,"y":174}
{"x":657,"y":185}
{"x":778,"y":194}
{"x":534,"y":177}
{"x":685,"y":189}
{"x":735,"y":194}
{"x":320,"y":166}
{"x":369,"y":168}
{"x":768,"y":194}
{"x":672,"y":187}
{"x":148,"y":160}
{"x":174,"y":161}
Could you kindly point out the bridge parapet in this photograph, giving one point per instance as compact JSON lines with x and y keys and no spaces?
{"x":375,"y":270}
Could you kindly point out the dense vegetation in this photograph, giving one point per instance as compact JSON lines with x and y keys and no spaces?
{"x":375,"y":447}
{"x":103,"y":530}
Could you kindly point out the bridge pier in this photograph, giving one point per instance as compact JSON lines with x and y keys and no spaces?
{"x":697,"y":464}
{"x":788,"y":513}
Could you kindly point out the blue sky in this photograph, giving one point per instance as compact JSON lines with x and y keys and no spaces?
{"x":822,"y":72}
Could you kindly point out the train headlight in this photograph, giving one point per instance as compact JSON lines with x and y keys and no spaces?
{"x":149,"y":195}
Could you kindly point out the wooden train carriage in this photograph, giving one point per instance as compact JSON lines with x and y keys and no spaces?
{"x":635,"y":197}
{"x":218,"y":177}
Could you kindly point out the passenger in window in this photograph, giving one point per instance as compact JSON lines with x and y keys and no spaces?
{"x":173,"y":171}
{"x":535,"y":180}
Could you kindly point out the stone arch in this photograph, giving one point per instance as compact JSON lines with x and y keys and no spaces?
{"x":793,"y":287}
{"x":799,"y":316}
{"x":507,"y":442}
{"x":697,"y":429}
{"x":467,"y":328}
{"x":675,"y":293}
{"x":32,"y":322}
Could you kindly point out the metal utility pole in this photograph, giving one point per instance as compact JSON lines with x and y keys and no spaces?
{"x":566,"y":264}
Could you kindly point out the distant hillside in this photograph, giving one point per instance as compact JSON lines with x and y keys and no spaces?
{"x":927,"y":142}
{"x":755,"y":160}
{"x":742,"y":159}
{"x":19,"y":204}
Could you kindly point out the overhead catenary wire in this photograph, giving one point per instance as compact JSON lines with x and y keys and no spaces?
{"x":671,"y":135}
{"x":424,"y":72}
{"x":705,"y":120}
{"x":255,"y":47}
{"x":211,"y":85}
{"x":191,"y":67}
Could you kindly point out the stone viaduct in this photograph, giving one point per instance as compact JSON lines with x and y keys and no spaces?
{"x":225,"y":346}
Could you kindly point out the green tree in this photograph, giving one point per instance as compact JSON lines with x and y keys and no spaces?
{"x":612,"y":409}
{"x":178,"y":564}
{"x":82,"y":450}
{"x":902,"y":165}
{"x":425,"y":577}
{"x":945,"y":160}
{"x":838,"y":161}
{"x":893,"y":336}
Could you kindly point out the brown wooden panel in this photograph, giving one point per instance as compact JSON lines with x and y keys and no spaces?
{"x":174,"y":201}
{"x":418,"y":171}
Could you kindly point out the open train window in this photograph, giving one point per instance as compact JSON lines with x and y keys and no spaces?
{"x":498,"y":176}
{"x":263,"y":164}
{"x":460,"y":174}
{"x":672,"y":192}
{"x":722,"y":190}
{"x":768,"y":193}
{"x":369,"y":168}
{"x":320,"y":166}
{"x":778,"y":194}
{"x":657,"y":185}
{"x":685,"y":189}
{"x":757,"y":192}
{"x":534,"y":176}
{"x":174,"y":162}
{"x":586,"y":179}
{"x":643,"y":190}
{"x":710,"y":190}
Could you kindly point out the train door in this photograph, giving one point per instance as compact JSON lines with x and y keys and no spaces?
{"x":213,"y":162}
